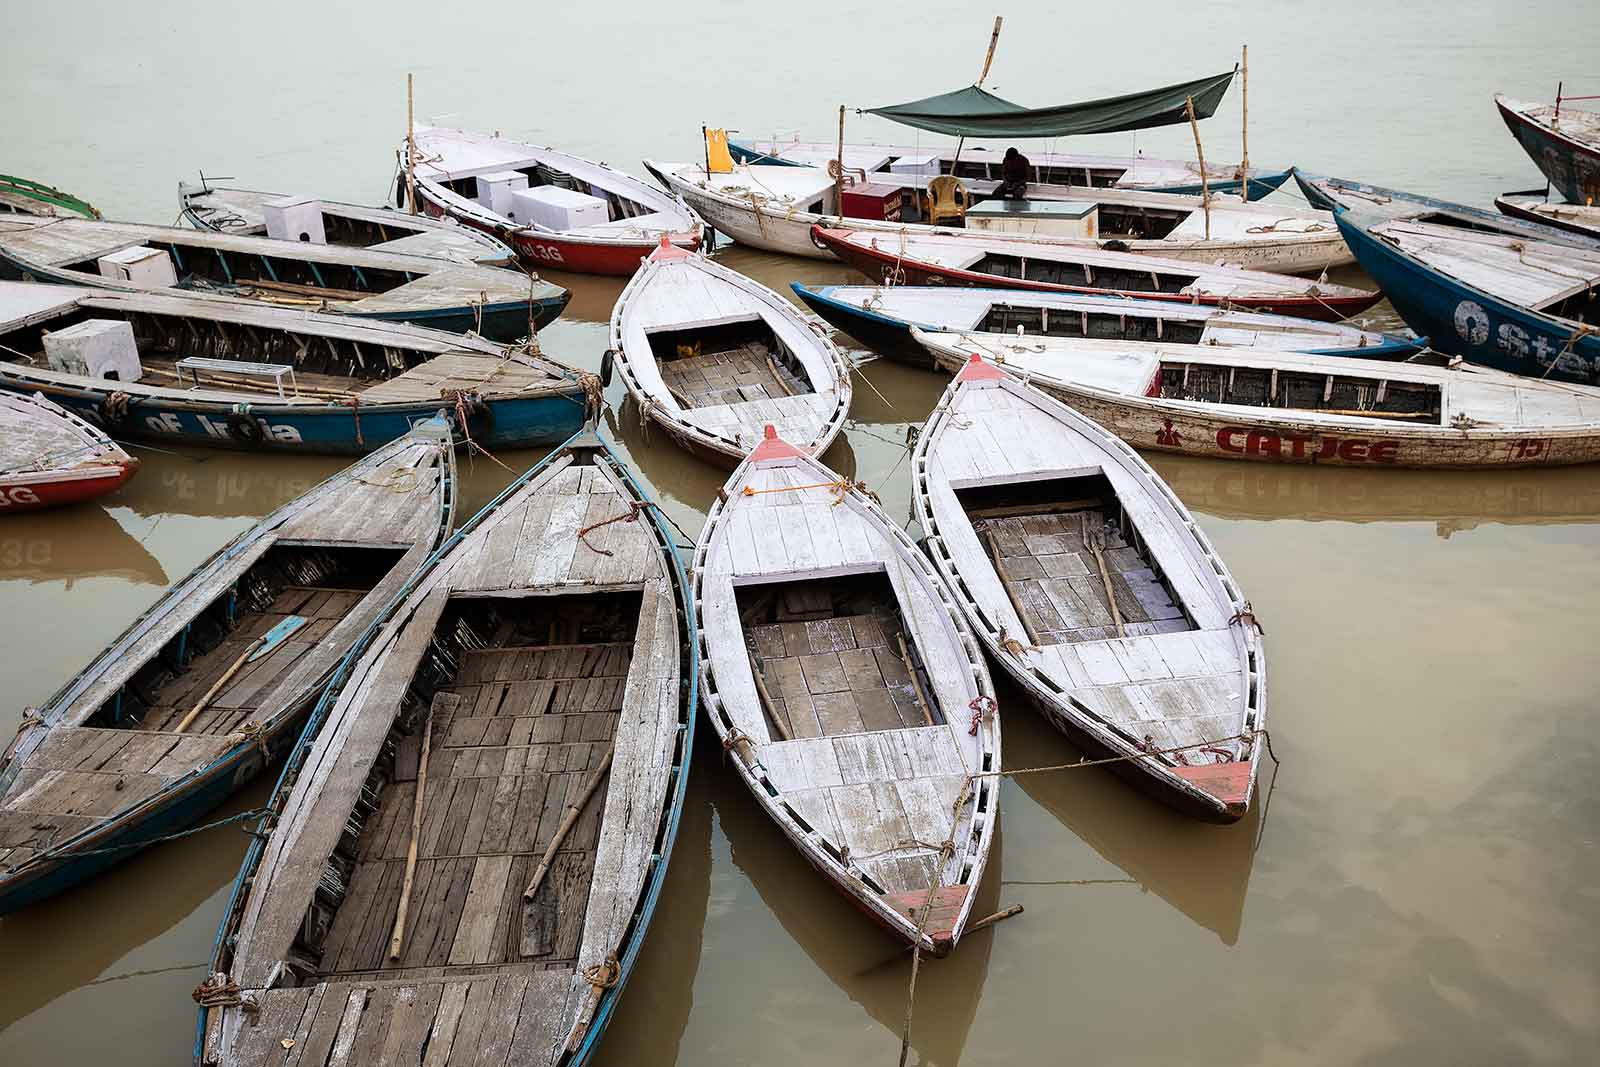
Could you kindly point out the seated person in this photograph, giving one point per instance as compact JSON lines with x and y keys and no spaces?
{"x":1014,"y":171}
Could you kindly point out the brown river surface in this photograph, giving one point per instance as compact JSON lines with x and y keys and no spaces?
{"x":1423,"y":886}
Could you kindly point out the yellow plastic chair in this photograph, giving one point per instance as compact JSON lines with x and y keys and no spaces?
{"x":947,"y":199}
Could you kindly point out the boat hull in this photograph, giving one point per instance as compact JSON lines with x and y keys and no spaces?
{"x":882,"y":266}
{"x":1471,"y":323}
{"x":1152,"y":425}
{"x":1572,"y":167}
{"x":330,"y":429}
{"x":617,"y":258}
{"x":1513,"y":209}
{"x":52,"y":489}
{"x":176,"y":808}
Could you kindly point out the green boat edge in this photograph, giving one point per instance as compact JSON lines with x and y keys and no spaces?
{"x":46,"y":194}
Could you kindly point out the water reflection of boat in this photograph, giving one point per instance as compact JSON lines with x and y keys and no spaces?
{"x":72,"y":940}
{"x":1455,"y":501}
{"x":213,"y":486}
{"x":63,"y":546}
{"x":1203,"y":871}
{"x":870,"y":967}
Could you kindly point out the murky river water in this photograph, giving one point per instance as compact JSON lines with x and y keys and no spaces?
{"x":1422,"y":889}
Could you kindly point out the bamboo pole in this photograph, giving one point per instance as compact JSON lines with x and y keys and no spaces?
{"x":216,"y":687}
{"x":397,"y":938}
{"x":1005,"y":583}
{"x":990,"y":920}
{"x":916,"y":683}
{"x":766,"y":699}
{"x":574,"y":810}
{"x":988,"y":58}
{"x":1205,"y":186}
{"x":705,"y":142}
{"x":1244,"y":132}
{"x":838,"y":163}
{"x":411,"y":147}
{"x":1094,"y":544}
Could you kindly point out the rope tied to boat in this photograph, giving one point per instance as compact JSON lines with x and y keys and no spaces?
{"x":841,"y":488}
{"x":983,"y":707}
{"x":635,"y":509}
{"x":1246,"y":614}
{"x":1013,"y":646}
{"x":355,"y":412}
{"x":220,"y":991}
{"x":1272,"y":227}
{"x":401,"y":480}
{"x":736,"y":737}
{"x":256,"y":734}
{"x":605,"y":974}
{"x":1579,"y":331}
{"x":469,"y":401}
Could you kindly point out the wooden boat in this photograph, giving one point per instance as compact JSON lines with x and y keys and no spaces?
{"x":1533,"y":206}
{"x":1291,"y":407}
{"x":216,"y":679}
{"x":1508,"y":302}
{"x":1563,"y":141}
{"x":467,"y":853}
{"x":979,"y":166}
{"x":244,"y":211}
{"x":49,"y":456}
{"x":881,"y":317}
{"x":1377,"y":202}
{"x":21,"y":196}
{"x":968,"y":260}
{"x":840,"y":673}
{"x":360,"y":283}
{"x":711,"y":357}
{"x":472,"y":178}
{"x":1088,"y":581}
{"x":775,"y":208}
{"x":224,"y":373}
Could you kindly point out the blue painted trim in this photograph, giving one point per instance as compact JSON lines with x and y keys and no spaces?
{"x":1469,"y":322}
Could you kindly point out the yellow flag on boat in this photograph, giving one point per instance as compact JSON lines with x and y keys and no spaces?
{"x":718,"y":161}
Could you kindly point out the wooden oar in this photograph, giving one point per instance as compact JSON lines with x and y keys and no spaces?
{"x":574,"y":810}
{"x":1105,"y":576}
{"x":767,"y":701}
{"x":216,"y":687}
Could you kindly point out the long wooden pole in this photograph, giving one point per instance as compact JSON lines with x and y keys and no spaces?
{"x":411,"y":147}
{"x":916,"y":683}
{"x":988,"y":58}
{"x":574,"y":810}
{"x":1244,"y":133}
{"x":397,"y":938}
{"x":1205,"y":186}
{"x":216,"y":686}
{"x":838,"y":162}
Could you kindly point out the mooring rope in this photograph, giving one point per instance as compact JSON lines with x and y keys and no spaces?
{"x":243,"y":816}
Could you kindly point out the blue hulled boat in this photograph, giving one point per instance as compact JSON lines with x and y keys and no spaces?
{"x":225,"y":374}
{"x":1502,"y":301}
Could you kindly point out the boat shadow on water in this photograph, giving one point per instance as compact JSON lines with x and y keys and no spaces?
{"x":868,"y":965}
{"x":68,"y":544}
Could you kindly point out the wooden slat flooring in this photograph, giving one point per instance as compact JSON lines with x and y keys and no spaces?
{"x":1047,"y":564}
{"x":530,"y":725}
{"x":838,"y":675}
{"x":748,"y":372}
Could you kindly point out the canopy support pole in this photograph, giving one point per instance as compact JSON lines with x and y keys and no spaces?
{"x":838,"y":164}
{"x":411,"y":148}
{"x":1205,"y":186}
{"x":1244,"y":133}
{"x":988,"y":60}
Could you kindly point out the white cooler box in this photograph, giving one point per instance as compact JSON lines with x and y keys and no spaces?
{"x":95,"y":348}
{"x":556,"y":208}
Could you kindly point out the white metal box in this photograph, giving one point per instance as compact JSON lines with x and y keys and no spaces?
{"x":495,"y":190}
{"x":139,"y":265}
{"x":556,"y":208}
{"x":1045,"y":218}
{"x":295,"y":218}
{"x":95,"y":348}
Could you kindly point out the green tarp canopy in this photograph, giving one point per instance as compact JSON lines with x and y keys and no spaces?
{"x":971,"y":112}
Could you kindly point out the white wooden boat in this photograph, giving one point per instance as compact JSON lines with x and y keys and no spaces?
{"x":216,"y":679}
{"x":360,"y":283}
{"x":712,"y":357}
{"x":1292,"y":407}
{"x":49,"y":456}
{"x":244,"y":211}
{"x":995,"y":261}
{"x":774,"y":207}
{"x":881,"y":317}
{"x":465,"y":858}
{"x":1534,"y":206}
{"x":477,"y":180}
{"x":838,"y":670}
{"x":979,"y":166}
{"x":1089,"y":582}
